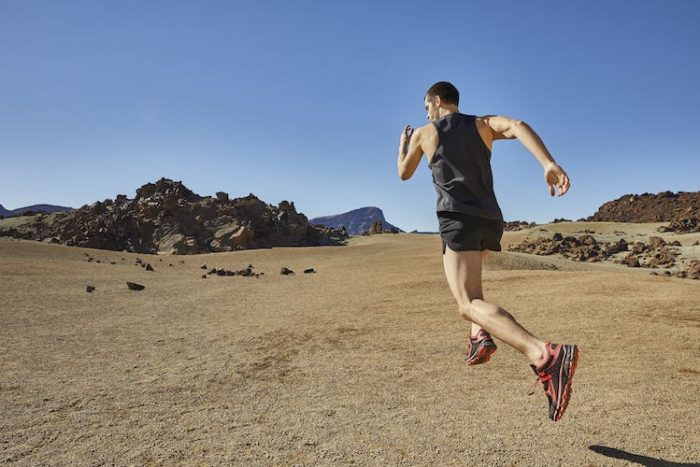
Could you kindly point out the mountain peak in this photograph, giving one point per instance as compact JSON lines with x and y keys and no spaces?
{"x":356,"y":221}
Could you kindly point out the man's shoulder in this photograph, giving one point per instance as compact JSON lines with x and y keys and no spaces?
{"x":425,"y":130}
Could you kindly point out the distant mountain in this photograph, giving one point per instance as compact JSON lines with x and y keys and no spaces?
{"x":34,"y":208}
{"x":356,"y":222}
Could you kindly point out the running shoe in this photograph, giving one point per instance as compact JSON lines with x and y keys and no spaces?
{"x":556,"y":374}
{"x":480,"y":348}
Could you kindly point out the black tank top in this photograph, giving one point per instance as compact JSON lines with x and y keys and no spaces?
{"x":461,"y":169}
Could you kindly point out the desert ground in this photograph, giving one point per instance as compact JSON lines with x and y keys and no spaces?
{"x":360,"y":363}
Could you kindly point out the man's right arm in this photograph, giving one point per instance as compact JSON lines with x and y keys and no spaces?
{"x":508,"y":128}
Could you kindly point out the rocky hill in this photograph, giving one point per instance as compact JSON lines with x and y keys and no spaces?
{"x":357,"y":221}
{"x":33,"y":209}
{"x":681,"y":210}
{"x":167,"y":217}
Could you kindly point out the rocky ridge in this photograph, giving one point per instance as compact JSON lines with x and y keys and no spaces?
{"x":167,"y":217}
{"x":681,"y":210}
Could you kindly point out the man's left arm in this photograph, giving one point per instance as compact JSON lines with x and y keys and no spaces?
{"x":410,"y":152}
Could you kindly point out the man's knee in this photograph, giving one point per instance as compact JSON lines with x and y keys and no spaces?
{"x":465,"y":310}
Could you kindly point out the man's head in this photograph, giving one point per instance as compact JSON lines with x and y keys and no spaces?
{"x":441,"y":95}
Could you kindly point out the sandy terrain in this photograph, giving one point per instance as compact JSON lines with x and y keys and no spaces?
{"x":361,"y":363}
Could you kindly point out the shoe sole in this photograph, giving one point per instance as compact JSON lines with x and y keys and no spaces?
{"x":573,"y":362}
{"x":483,"y":355}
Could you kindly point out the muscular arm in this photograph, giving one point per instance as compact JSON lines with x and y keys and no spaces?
{"x":410,"y":152}
{"x":508,"y":128}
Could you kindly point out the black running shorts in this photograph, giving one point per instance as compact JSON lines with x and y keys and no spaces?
{"x":463,"y":232}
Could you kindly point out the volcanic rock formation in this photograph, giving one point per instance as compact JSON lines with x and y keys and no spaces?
{"x":166,"y":216}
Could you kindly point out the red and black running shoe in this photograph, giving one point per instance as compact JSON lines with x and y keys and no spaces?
{"x":480,"y":348}
{"x":556,"y":374}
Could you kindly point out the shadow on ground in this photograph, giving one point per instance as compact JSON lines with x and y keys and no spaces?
{"x":637,"y":458}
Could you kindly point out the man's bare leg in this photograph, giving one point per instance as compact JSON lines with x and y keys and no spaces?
{"x":463,"y":272}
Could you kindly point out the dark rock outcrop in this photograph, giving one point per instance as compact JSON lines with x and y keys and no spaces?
{"x":681,"y":210}
{"x":166,"y":216}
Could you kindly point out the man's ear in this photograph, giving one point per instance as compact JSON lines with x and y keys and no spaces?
{"x":437,"y":101}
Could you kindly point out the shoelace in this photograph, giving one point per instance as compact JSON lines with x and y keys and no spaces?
{"x":542,"y":376}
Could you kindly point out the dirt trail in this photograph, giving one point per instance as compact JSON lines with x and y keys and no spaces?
{"x":359,"y":363}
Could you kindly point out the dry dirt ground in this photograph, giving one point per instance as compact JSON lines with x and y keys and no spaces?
{"x":361,"y":363}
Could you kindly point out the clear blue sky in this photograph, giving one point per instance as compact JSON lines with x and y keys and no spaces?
{"x":305,"y":101}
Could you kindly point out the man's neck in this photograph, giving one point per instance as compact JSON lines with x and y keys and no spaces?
{"x":445,"y":111}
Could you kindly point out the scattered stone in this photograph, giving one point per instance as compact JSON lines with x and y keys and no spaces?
{"x":309,"y":271}
{"x":97,"y":261}
{"x":135,"y":286}
{"x":203,"y":266}
{"x":220,"y":272}
{"x":204,"y":276}
{"x":696,"y":243}
{"x":675,"y":243}
{"x":656,"y":242}
{"x":586,"y":248}
{"x":112,"y":262}
{"x":518,"y":225}
{"x":286,"y":271}
{"x":170,"y":265}
{"x":693,"y":271}
{"x":212,"y":271}
{"x":682,"y":225}
{"x":149,"y":267}
{"x":90,"y":260}
{"x":90,"y":288}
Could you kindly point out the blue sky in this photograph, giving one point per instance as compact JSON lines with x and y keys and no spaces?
{"x":305,"y":101}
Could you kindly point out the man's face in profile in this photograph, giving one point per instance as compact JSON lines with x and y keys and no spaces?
{"x":432,"y":109}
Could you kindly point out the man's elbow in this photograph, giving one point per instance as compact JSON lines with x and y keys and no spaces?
{"x":517,"y":128}
{"x":404,"y":175}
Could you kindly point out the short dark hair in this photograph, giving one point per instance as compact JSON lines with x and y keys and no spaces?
{"x":445,"y":90}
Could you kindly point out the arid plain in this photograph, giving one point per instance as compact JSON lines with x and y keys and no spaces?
{"x":360,"y":363}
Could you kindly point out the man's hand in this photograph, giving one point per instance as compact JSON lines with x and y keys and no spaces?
{"x":555,"y":176}
{"x":405,"y":138}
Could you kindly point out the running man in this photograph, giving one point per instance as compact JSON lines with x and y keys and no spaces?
{"x":458,"y":149}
